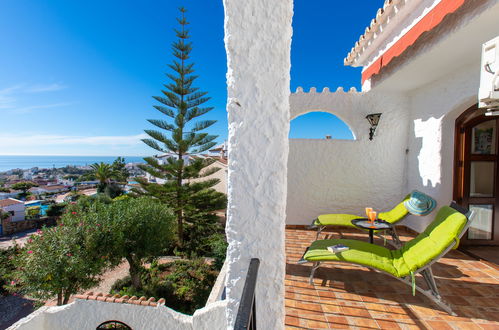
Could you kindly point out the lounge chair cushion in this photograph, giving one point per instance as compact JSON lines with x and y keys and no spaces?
{"x":336,"y":220}
{"x":395,"y":214}
{"x":392,"y":216}
{"x":360,"y":252}
{"x":440,"y":234}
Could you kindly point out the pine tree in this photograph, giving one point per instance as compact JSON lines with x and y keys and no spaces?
{"x":182,"y":138}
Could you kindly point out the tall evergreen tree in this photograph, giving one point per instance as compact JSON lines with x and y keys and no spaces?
{"x":181,"y":138}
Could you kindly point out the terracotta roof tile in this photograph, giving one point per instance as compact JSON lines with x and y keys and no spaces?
{"x":142,"y":301}
{"x":9,"y":201}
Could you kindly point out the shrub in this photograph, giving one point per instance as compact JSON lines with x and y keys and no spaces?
{"x":143,"y":228}
{"x":7,"y":267}
{"x":218,"y":245}
{"x":63,"y":260}
{"x":199,"y":233}
{"x":56,"y":210}
{"x":185,"y":284}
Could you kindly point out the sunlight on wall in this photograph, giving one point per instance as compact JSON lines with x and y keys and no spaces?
{"x":318,"y":125}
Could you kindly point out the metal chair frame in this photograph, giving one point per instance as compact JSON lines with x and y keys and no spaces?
{"x":432,"y":292}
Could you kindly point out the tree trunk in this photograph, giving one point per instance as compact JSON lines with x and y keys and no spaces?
{"x":59,"y":298}
{"x":67,"y":294}
{"x":180,"y":214}
{"x":134,"y":273}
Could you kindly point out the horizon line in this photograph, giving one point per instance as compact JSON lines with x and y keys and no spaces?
{"x":69,"y":155}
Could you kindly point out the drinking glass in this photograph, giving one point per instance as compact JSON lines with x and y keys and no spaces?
{"x":372,"y":217}
{"x":368,"y":209}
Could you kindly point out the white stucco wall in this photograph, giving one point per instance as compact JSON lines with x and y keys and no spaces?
{"x":433,"y":112}
{"x":257,"y":41}
{"x":336,"y":176}
{"x":18,"y":209}
{"x":88,"y":314}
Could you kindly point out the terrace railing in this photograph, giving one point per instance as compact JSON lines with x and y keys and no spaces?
{"x":246,"y":314}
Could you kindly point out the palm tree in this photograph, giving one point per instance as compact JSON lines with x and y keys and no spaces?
{"x":103,"y":173}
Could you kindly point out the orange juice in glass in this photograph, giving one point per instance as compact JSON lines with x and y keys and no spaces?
{"x":372,"y":217}
{"x":368,"y":209}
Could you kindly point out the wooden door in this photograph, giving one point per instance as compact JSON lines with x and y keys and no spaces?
{"x":476,"y":182}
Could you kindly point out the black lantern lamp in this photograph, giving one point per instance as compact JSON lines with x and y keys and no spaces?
{"x":373,"y":120}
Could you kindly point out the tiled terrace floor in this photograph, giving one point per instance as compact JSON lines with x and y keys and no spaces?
{"x":348,"y":296}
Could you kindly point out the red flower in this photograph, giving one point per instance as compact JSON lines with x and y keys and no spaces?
{"x":30,"y":240}
{"x":12,"y":282}
{"x":61,"y":224}
{"x":73,"y":212}
{"x":30,"y":252}
{"x":98,"y":225}
{"x":69,"y":254}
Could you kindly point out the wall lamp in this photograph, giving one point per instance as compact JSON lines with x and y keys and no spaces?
{"x":373,"y":120}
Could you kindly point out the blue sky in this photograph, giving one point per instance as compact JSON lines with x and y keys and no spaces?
{"x":77,"y":77}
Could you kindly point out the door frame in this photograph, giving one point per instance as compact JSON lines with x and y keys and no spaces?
{"x":461,"y":179}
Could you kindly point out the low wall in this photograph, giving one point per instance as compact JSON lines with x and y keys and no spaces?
{"x":11,"y":227}
{"x":88,"y":314}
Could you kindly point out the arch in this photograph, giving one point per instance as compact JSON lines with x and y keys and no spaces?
{"x":318,"y":124}
{"x":113,"y":325}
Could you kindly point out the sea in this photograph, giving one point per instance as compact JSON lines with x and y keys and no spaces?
{"x":27,"y":162}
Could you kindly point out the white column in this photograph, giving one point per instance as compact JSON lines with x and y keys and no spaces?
{"x":258,"y":40}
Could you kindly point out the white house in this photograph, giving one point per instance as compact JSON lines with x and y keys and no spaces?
{"x":219,"y":162}
{"x":15,"y":207}
{"x":10,"y":194}
{"x":421,"y":63}
{"x":48,"y":189}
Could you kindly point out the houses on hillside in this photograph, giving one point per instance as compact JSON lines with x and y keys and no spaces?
{"x":14,"y":207}
{"x":219,"y":156}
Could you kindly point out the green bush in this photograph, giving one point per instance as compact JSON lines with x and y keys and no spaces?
{"x":218,"y":245}
{"x":185,"y":284}
{"x":66,"y":259}
{"x":7,"y":267}
{"x":199,"y":232}
{"x":56,"y":210}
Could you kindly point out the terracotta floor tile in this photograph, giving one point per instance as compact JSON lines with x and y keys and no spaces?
{"x":315,"y":324}
{"x":386,"y":324}
{"x":438,"y":325}
{"x":292,"y":320}
{"x":350,"y":296}
{"x":362,"y":322}
{"x":465,"y":325}
{"x":337,"y":322}
{"x":488,"y":326}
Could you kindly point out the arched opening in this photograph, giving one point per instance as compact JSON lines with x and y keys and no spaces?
{"x":319,"y":125}
{"x":113,"y":325}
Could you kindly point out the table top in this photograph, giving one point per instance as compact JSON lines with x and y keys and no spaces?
{"x":366,"y":224}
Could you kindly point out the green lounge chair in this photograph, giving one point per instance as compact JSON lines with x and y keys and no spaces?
{"x":345,"y":220}
{"x":416,"y":256}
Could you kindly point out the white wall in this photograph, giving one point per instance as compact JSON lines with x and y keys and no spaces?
{"x":18,"y":209}
{"x":257,"y":41}
{"x":88,"y":314}
{"x":434,"y":109}
{"x":336,"y":176}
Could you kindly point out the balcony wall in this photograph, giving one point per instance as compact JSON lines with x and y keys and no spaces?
{"x":88,"y":314}
{"x":344,"y":176}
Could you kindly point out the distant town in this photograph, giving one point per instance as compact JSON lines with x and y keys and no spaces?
{"x":32,"y":196}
